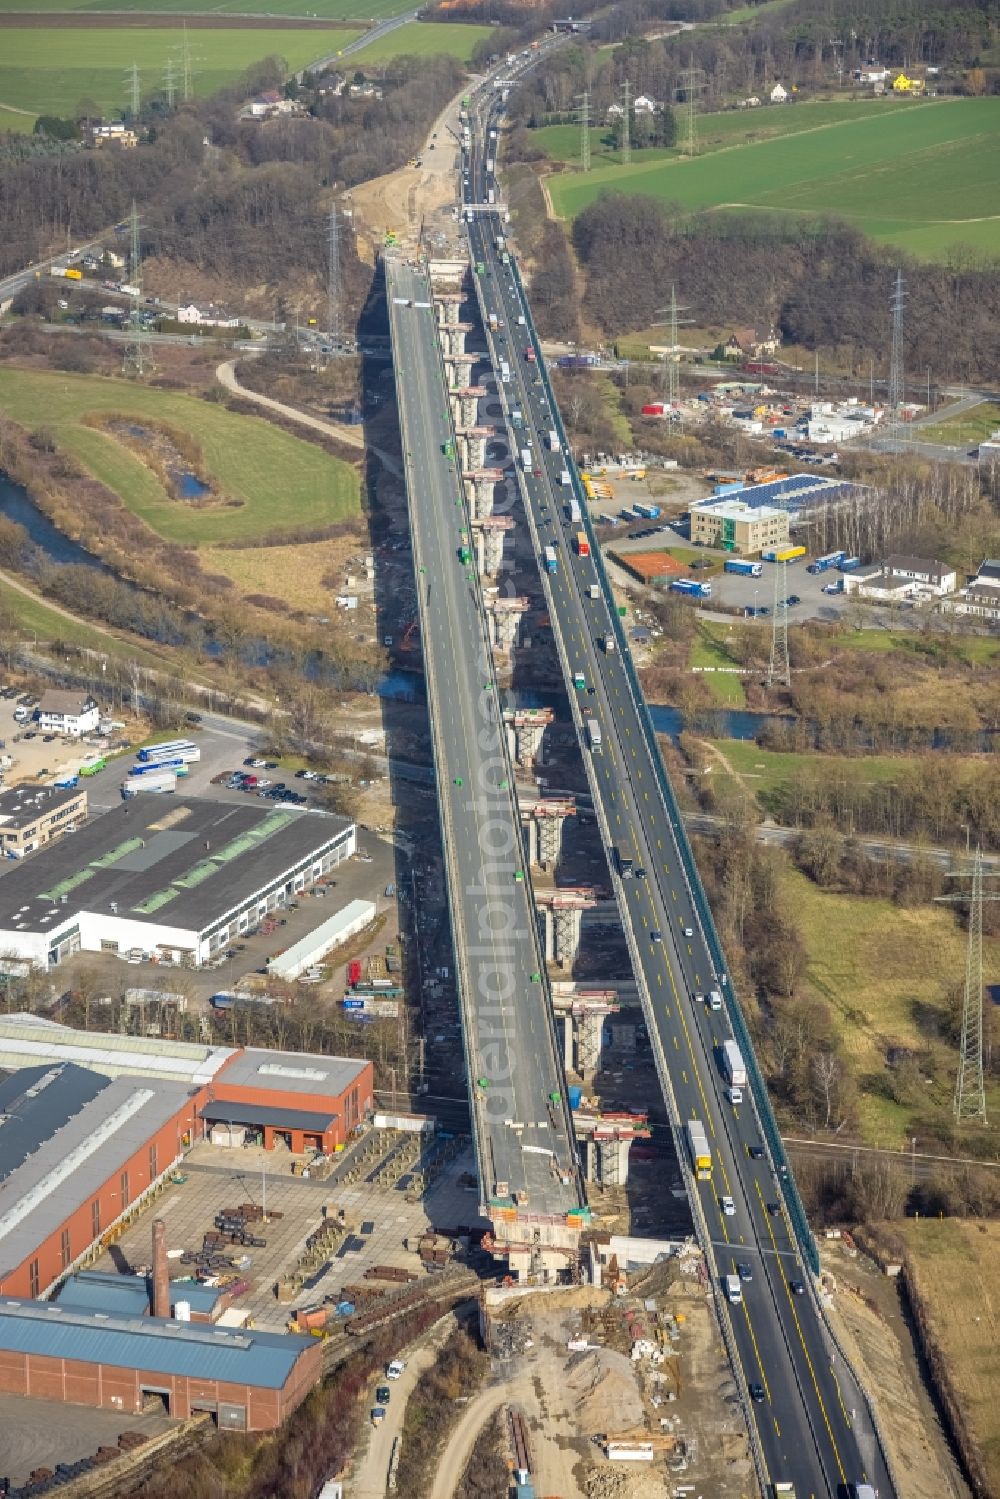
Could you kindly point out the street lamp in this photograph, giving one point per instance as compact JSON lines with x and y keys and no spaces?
{"x":913,"y":1160}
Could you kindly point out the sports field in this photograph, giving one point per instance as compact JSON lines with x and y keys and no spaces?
{"x":50,"y":68}
{"x":919,"y":174}
{"x":278,"y":482}
{"x":419,"y":39}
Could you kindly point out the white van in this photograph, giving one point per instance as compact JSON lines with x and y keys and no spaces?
{"x":714,"y":999}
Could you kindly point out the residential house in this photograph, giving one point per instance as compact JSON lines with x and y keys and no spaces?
{"x":779,"y":94}
{"x":904,"y":85}
{"x":928,"y":573}
{"x":73,"y":713}
{"x":365,"y":91}
{"x":752,"y":103}
{"x":269,"y":105}
{"x":206,"y":317}
{"x":642,"y":104}
{"x":752,"y":343}
{"x":114,"y":134}
{"x":981,"y":599}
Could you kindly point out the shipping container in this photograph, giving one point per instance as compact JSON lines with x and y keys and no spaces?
{"x":783,"y":554}
{"x":849,"y":564}
{"x":582,"y":544}
{"x":170,"y":749}
{"x":822,"y":564}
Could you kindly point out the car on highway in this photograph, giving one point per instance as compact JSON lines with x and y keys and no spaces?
{"x":745,"y":1273}
{"x":756,"y":1392}
{"x":728,"y":1206}
{"x":655,"y":936}
{"x":797,"y":1287}
{"x":755,"y":1152}
{"x":774,"y":1208}
{"x":689,"y":931}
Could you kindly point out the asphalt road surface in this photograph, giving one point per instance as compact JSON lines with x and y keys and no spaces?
{"x":812,"y":1421}
{"x":509,"y":1037}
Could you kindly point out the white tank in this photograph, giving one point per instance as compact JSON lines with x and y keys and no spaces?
{"x":182,"y":1311}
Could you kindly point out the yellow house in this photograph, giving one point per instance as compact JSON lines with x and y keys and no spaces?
{"x":904,"y":85}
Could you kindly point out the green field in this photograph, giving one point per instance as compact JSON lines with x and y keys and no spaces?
{"x":418,"y":39}
{"x":884,"y":973}
{"x":50,"y":69}
{"x":709,"y":650}
{"x":732,"y":127}
{"x":360,"y":12}
{"x":918,"y":174}
{"x":766,"y":772}
{"x":35,"y":617}
{"x":966,"y":428}
{"x":280,"y":482}
{"x":973,"y":649}
{"x":13,"y":119}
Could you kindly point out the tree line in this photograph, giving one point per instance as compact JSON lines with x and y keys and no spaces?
{"x":819,"y":281}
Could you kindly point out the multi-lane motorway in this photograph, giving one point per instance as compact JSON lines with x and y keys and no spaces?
{"x":527,"y":1154}
{"x":812,"y":1421}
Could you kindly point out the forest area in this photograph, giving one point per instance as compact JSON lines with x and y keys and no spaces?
{"x":243,"y":203}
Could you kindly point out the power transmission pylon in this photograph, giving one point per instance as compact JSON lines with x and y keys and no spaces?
{"x":672,"y":358}
{"x":170,"y":82}
{"x":970,"y":1089}
{"x":134,"y":90}
{"x":692,"y":82}
{"x":779,"y":671}
{"x":584,"y":131}
{"x":626,"y":125}
{"x":894,"y":414}
{"x":333,"y":287}
{"x":187,"y":75}
{"x":134,"y":362}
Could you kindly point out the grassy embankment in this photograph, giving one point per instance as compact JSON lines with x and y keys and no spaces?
{"x":917,"y":174}
{"x":420,"y":39}
{"x":964,"y":429}
{"x":278,"y":482}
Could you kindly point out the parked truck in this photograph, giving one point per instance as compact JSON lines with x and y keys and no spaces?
{"x":849,"y":564}
{"x":743,"y":568}
{"x":701,"y":1155}
{"x":823,"y":564}
{"x":649,"y":512}
{"x":783,"y":554}
{"x":692,"y":587}
{"x":582,"y":544}
{"x":156,"y":781}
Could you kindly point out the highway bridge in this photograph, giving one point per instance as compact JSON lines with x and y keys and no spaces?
{"x":809,"y":1418}
{"x":527,"y":1159}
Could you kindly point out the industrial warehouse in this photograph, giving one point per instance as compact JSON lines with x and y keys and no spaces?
{"x":175,"y":883}
{"x":90,"y":1124}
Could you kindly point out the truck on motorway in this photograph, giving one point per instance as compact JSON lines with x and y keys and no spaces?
{"x":527,"y":462}
{"x":529,"y":355}
{"x":743,"y":568}
{"x":505,"y":372}
{"x":553,"y":440}
{"x":582,"y":544}
{"x":573,"y":512}
{"x":579,"y":681}
{"x":564,"y":478}
{"x":822,"y":564}
{"x":692,"y":587}
{"x":701,"y":1155}
{"x":516,"y":419}
{"x":551,"y":560}
{"x":733,"y":1065}
{"x":608,"y":644}
{"x":594,"y":591}
{"x":493,"y":321}
{"x":849,"y":564}
{"x":594,"y":734}
{"x":622,"y":862}
{"x":783,"y":554}
{"x":734,"y":1289}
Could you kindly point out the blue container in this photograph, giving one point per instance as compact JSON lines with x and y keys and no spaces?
{"x":575,"y":1096}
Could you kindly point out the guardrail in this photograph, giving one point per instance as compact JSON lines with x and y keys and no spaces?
{"x":796,"y":1212}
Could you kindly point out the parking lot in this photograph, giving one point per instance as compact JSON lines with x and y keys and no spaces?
{"x":734,"y":591}
{"x":377,"y":1218}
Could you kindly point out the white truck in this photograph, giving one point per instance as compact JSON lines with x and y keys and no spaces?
{"x":734,"y":1070}
{"x":157,"y":780}
{"x":527,"y":462}
{"x":594,"y":734}
{"x":734,"y":1289}
{"x":553,"y":440}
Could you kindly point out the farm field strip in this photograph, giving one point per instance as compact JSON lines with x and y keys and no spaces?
{"x":48,"y":69}
{"x":423,"y":39}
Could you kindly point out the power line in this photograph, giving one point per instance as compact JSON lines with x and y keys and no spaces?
{"x":134,"y":362}
{"x":187,"y":75}
{"x":779,"y":671}
{"x":693,"y":81}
